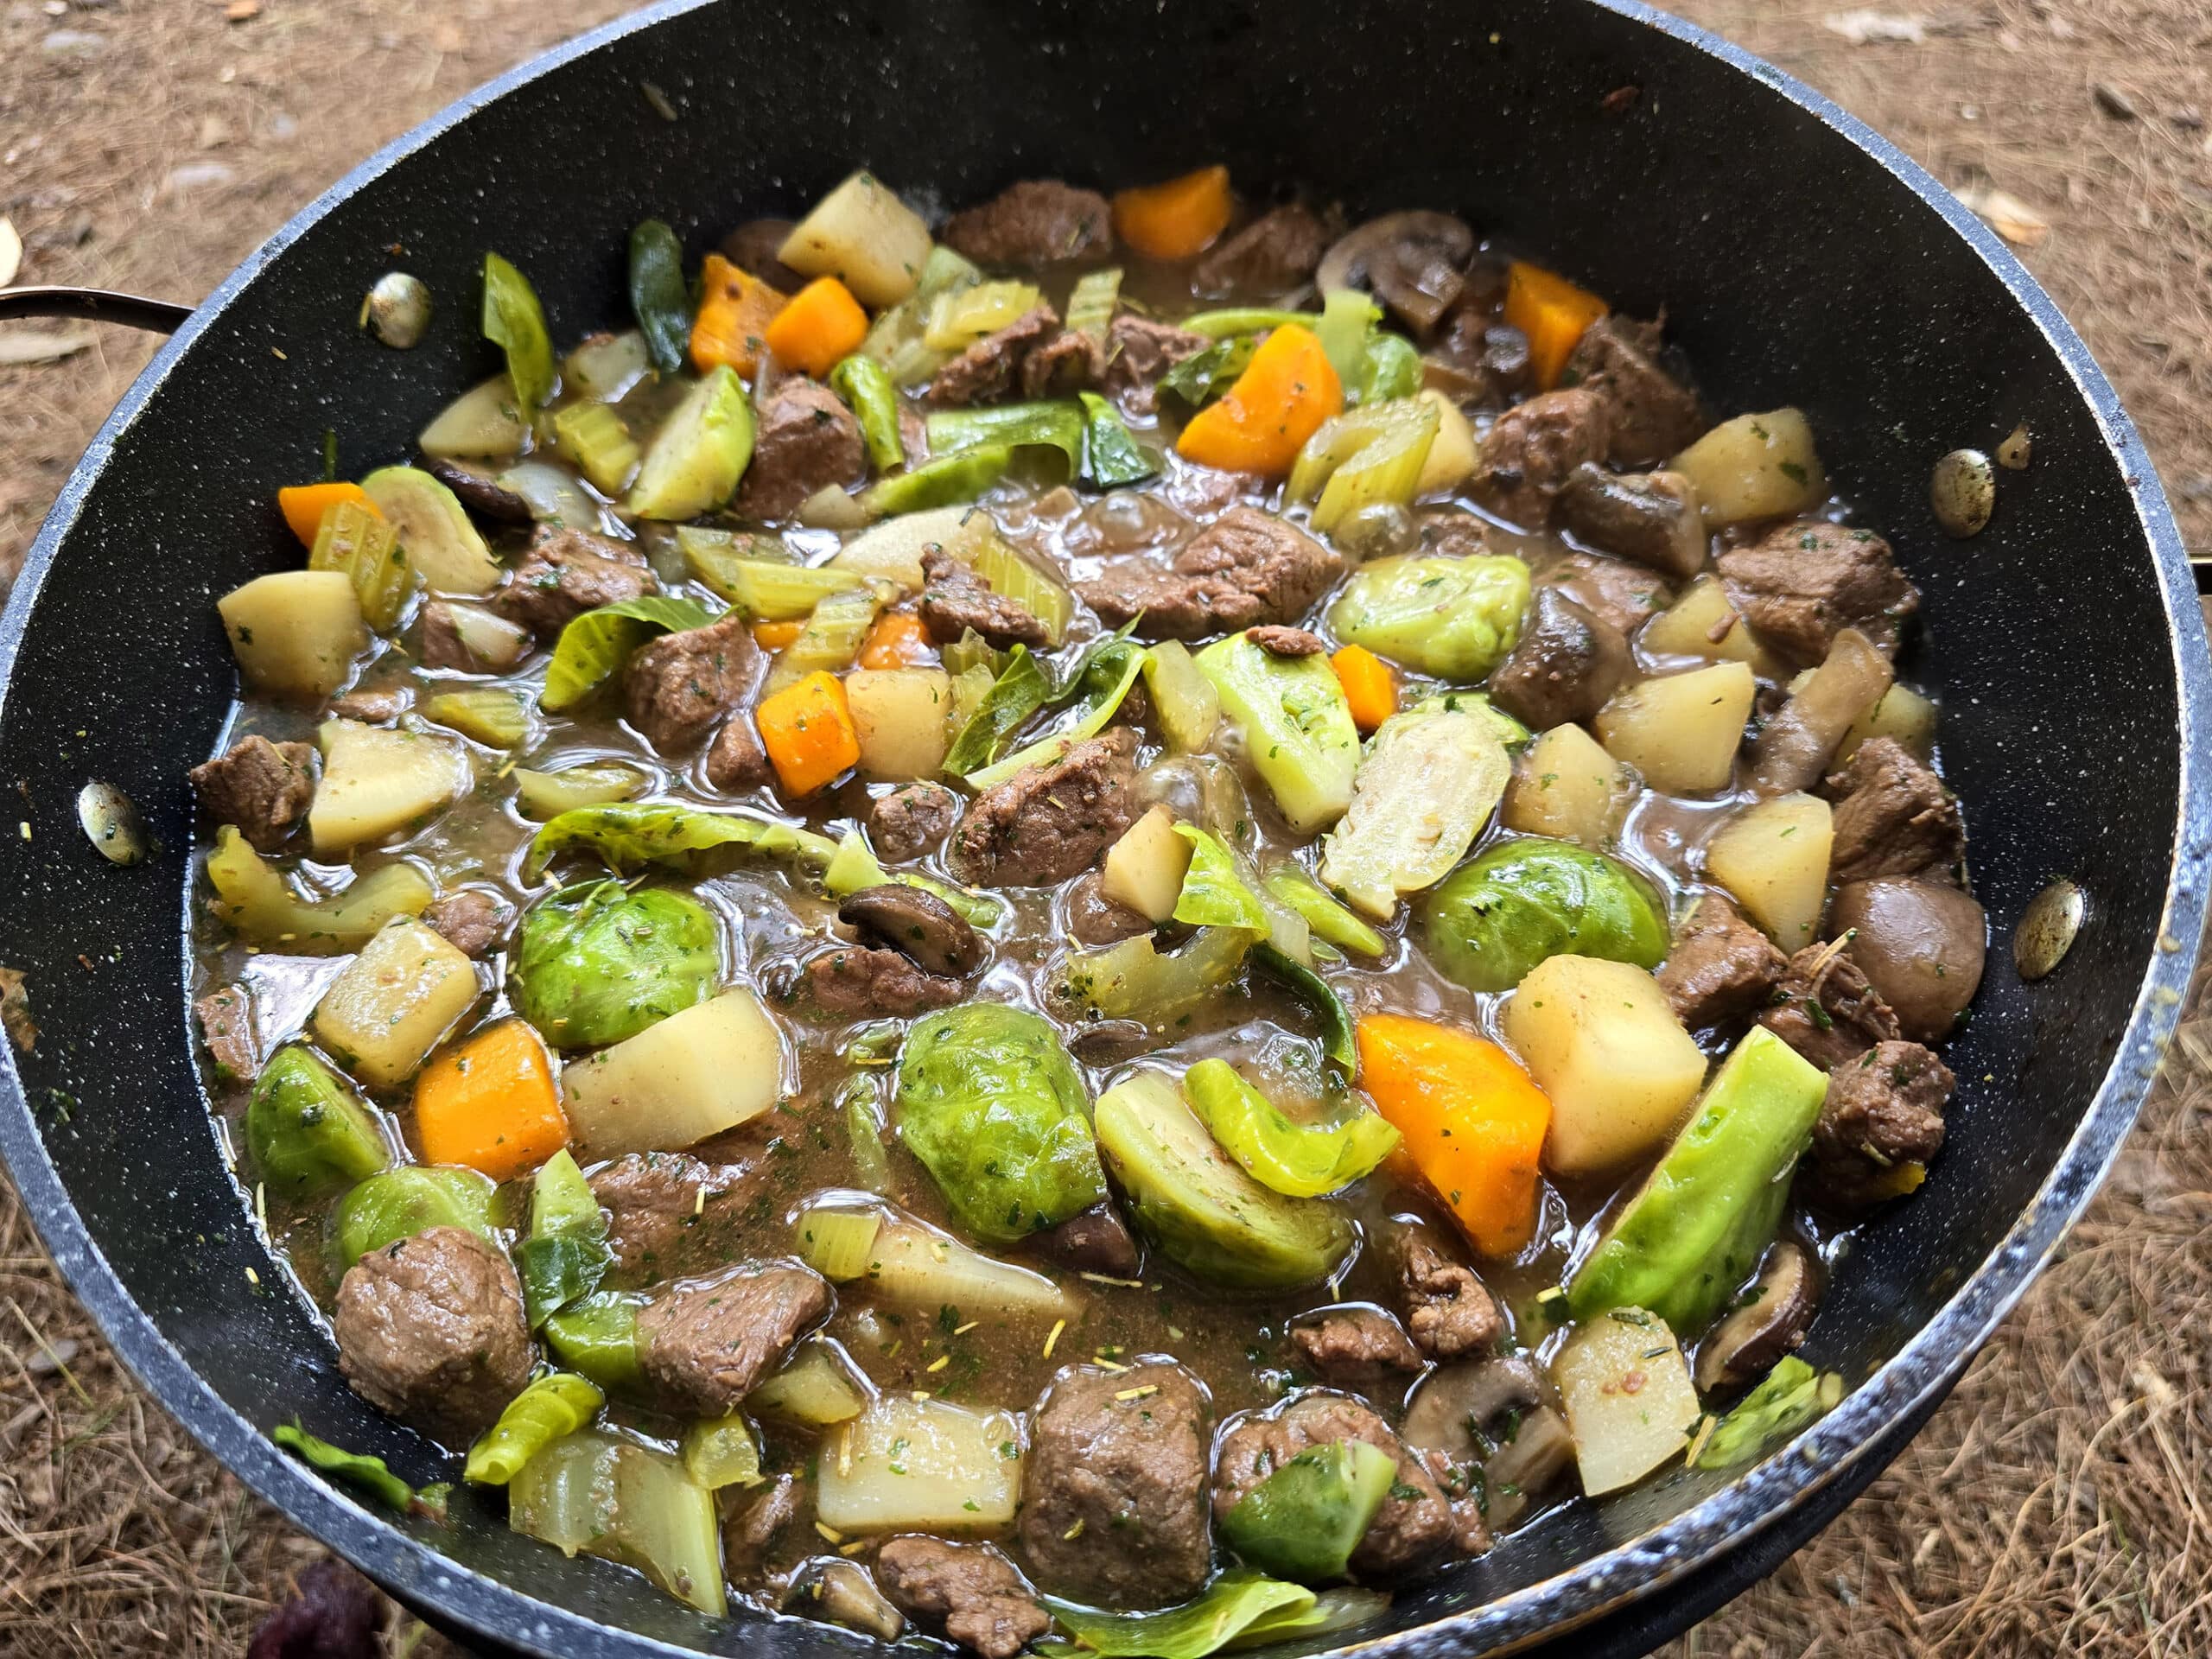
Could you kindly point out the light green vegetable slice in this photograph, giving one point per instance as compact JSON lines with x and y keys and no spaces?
{"x":1427,"y":786}
{"x":434,"y":530}
{"x":630,"y":834}
{"x":1348,"y":319}
{"x":371,"y":1474}
{"x":1329,"y":920}
{"x":834,"y":634}
{"x":1232,"y":320}
{"x":598,"y":1336}
{"x":1233,"y":1604}
{"x":1184,"y":701}
{"x":1136,"y":980}
{"x":765,"y":590}
{"x":607,"y":366}
{"x":361,"y":545}
{"x":1050,"y":423}
{"x":307,"y":1132}
{"x":597,"y":643}
{"x":598,"y":962}
{"x":553,"y":1405}
{"x":594,"y":439}
{"x":259,"y":902}
{"x":1214,"y":895}
{"x":868,"y":390}
{"x":1531,"y":898}
{"x":1787,"y":1398}
{"x":1198,"y":1208}
{"x":1697,"y":1227}
{"x":960,"y":316}
{"x":1508,"y":730}
{"x":1370,"y":456}
{"x":485,"y":422}
{"x":1341,"y":1609}
{"x":721,"y":1452}
{"x":989,"y":1103}
{"x":702,"y":449}
{"x":543,"y":795}
{"x":500,"y":719}
{"x":627,"y":1503}
{"x":1305,"y":1520}
{"x":858,"y":1106}
{"x":1297,"y":728}
{"x":514,"y":321}
{"x":946,"y":481}
{"x":1091,"y":302}
{"x":1300,"y":1161}
{"x":566,"y":1255}
{"x":1454,"y":618}
{"x":400,"y":1203}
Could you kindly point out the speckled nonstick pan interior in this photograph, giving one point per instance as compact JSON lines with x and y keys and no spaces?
{"x":1799,"y":258}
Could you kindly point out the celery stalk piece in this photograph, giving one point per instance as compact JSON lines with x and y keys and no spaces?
{"x":1297,"y":728}
{"x":721,"y":1452}
{"x":1006,"y":572}
{"x":971,"y":651}
{"x":1348,"y":317}
{"x":499,"y":720}
{"x":1245,"y":320}
{"x":959,"y":318}
{"x":1091,"y":303}
{"x":764,"y":591}
{"x":1051,"y":422}
{"x":943,"y":482}
{"x":515,"y":321}
{"x":254,"y":897}
{"x":867,"y":387}
{"x":659,"y":298}
{"x":1183,"y":700}
{"x":592,"y":437}
{"x":700,"y":451}
{"x":543,"y":795}
{"x":839,"y":1244}
{"x":835,"y":631}
{"x":363,"y":547}
{"x":1371,"y":456}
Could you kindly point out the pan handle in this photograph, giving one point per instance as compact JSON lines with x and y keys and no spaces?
{"x":92,"y":305}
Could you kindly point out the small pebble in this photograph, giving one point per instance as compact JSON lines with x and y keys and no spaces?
{"x":2114,"y":102}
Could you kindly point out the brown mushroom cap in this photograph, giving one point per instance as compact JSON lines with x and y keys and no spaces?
{"x":1921,"y":945}
{"x":918,"y":924}
{"x":1771,"y":1322}
{"x":1413,"y":261}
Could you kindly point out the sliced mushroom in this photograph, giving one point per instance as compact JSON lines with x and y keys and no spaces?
{"x":487,"y":500}
{"x":919,"y":926}
{"x":1413,"y":261}
{"x":1652,"y":517}
{"x":1110,"y":1042}
{"x":1771,"y":1320}
{"x":1540,"y":1451}
{"x":842,"y":1593}
{"x":1794,"y":747}
{"x":1455,"y":1403}
{"x":1921,"y":945}
{"x":1097,"y":1240}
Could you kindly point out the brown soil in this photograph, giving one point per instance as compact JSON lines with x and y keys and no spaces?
{"x":2057,"y":1505}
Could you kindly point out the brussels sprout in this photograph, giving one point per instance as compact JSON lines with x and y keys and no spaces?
{"x":597,"y":964}
{"x":1303,"y":1522}
{"x":307,"y":1132}
{"x":1494,"y":918}
{"x":1454,"y":617}
{"x":994,"y":1109}
{"x":400,"y":1202}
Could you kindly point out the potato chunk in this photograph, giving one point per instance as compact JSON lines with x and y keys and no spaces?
{"x":296,"y":633}
{"x":906,"y":1464}
{"x":376,"y":782}
{"x":1774,"y":857}
{"x":899,"y":714}
{"x":1567,"y":787}
{"x":864,"y":236}
{"x":1144,"y":869}
{"x":1630,"y":1402}
{"x":1681,"y":731}
{"x":693,"y":1074}
{"x":394,"y":1003}
{"x":1687,"y":628}
{"x":1755,"y":467}
{"x":1601,"y":1040}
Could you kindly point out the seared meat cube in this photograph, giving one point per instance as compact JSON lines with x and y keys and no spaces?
{"x":1827,"y":1010}
{"x":1287,"y":642}
{"x":564,"y":574}
{"x":263,"y":788}
{"x":1884,"y":1110}
{"x":955,"y":599}
{"x":969,"y":1591}
{"x":654,"y":1199}
{"x":1138,"y":352}
{"x":1449,"y":1312}
{"x":226,"y":1025}
{"x":1803,"y":583}
{"x":913,"y":819}
{"x":1415,"y":1524}
{"x":473,"y":921}
{"x":705,"y":1343}
{"x":1623,"y":595}
{"x":1048,"y":824}
{"x":1533,"y":447}
{"x":1719,"y":966}
{"x":1036,"y":222}
{"x":431,"y":1329}
{"x":1893,"y":817}
{"x":678,"y":685}
{"x":1353,"y":1347}
{"x":1654,"y":415}
{"x":1247,"y":567}
{"x":1114,"y":1500}
{"x":807,"y":440}
{"x":993,"y":365}
{"x":1067,"y":363}
{"x":735,"y":760}
{"x":863,"y":981}
{"x":1276,"y":251}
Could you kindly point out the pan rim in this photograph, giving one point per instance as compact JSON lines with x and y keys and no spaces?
{"x":1670,"y":1554}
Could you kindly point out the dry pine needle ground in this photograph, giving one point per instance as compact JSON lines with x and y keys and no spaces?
{"x":2056,"y":1505}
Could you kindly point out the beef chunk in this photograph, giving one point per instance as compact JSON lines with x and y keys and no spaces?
{"x":1138,"y":352}
{"x":705,"y":1343}
{"x":1277,"y":251}
{"x":912,"y":820}
{"x":1093,"y":919}
{"x":735,"y":760}
{"x":473,"y":921}
{"x":993,"y":365}
{"x":969,"y":1591}
{"x":1719,"y":966}
{"x":955,"y":599}
{"x":1246,"y":566}
{"x":1288,"y":642}
{"x":861,"y":981}
{"x":1530,"y":449}
{"x":654,"y":1200}
{"x":431,"y":1329}
{"x":1827,"y":1011}
{"x":564,"y":574}
{"x":1069,"y":362}
{"x":1048,"y":824}
{"x":226,"y":1025}
{"x":1415,"y":1524}
{"x":1449,"y":1313}
{"x":1654,"y":415}
{"x":1477,"y":358}
{"x":263,"y":788}
{"x":1614,"y":591}
{"x":1034,"y":223}
{"x":1097,"y":1240}
{"x":681,"y":683}
{"x":806,"y":441}
{"x":1114,"y":1501}
{"x":1803,"y":583}
{"x":1884,"y":1110}
{"x":1893,"y":817}
{"x":1566,"y":666}
{"x":373,"y":707}
{"x":1651,"y":517}
{"x":1354,"y":1346}
{"x":754,"y":1531}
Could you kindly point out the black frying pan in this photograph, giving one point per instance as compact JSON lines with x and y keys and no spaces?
{"x":1799,"y":258}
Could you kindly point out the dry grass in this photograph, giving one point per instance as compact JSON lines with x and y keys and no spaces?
{"x":2057,"y":1505}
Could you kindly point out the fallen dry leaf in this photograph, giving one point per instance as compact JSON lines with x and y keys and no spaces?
{"x":12,"y":251}
{"x":1861,"y":26}
{"x":2009,"y":216}
{"x":15,"y":1010}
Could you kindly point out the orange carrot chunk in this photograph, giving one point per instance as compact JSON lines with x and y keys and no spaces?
{"x":1175,"y":220}
{"x":809,"y":734}
{"x":1285,"y":393}
{"x":1370,"y":687}
{"x":1552,"y":313}
{"x":736,"y":309}
{"x":774,"y":636}
{"x":1474,"y":1123}
{"x":818,"y":326}
{"x":897,"y":640}
{"x":303,"y":505}
{"x":491,"y":1104}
